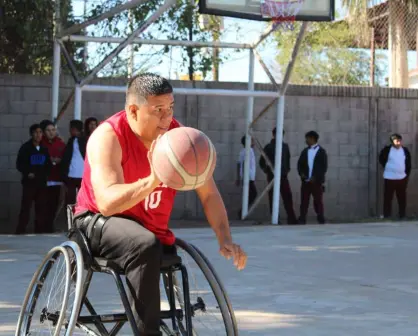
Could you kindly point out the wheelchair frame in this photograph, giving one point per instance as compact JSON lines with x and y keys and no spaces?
{"x":87,"y":265}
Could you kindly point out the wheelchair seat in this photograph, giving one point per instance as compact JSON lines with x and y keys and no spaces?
{"x":166,"y":262}
{"x":78,"y":236}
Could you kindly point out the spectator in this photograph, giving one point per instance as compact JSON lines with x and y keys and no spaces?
{"x":72,"y":164}
{"x":56,"y":148}
{"x":89,"y":126}
{"x":396,"y":162}
{"x":34,"y":164}
{"x":285,"y":190}
{"x":312,"y":167}
{"x":252,"y":192}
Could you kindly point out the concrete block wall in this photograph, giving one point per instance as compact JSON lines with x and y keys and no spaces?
{"x":353,"y":122}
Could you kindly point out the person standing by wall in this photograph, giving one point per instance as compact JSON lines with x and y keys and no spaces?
{"x":252,"y":192}
{"x":312,"y":167}
{"x":56,"y":147}
{"x":34,"y":164}
{"x":90,"y":124}
{"x":396,"y":162}
{"x":285,"y":190}
{"x":72,"y":164}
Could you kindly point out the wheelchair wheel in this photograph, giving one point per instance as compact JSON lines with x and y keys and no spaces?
{"x":45,"y":303}
{"x":76,"y":287}
{"x":53,"y":299}
{"x":211,"y":310}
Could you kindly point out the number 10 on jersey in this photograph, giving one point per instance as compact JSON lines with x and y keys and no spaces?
{"x":153,"y":200}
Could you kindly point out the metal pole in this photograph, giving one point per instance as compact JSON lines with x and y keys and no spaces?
{"x":292,"y":61}
{"x":56,"y":67}
{"x":167,"y":4}
{"x":265,"y":68}
{"x":70,"y":62}
{"x":111,"y":12}
{"x":77,"y":102}
{"x":182,"y":43}
{"x":250,"y":108}
{"x":279,"y":125}
{"x":191,"y":91}
{"x":56,"y":62}
{"x":264,"y":35}
{"x":278,"y":161}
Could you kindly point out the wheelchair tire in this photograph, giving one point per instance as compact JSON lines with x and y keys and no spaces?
{"x":77,"y":284}
{"x":208,"y":271}
{"x":39,"y":279}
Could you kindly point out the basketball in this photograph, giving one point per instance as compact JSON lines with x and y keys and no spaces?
{"x":184,"y":158}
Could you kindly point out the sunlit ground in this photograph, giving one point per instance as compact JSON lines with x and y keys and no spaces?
{"x":353,"y":279}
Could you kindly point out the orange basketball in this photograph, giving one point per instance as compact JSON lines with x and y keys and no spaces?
{"x":184,"y":158}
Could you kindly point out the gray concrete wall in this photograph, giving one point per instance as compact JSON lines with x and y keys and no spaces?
{"x":354,"y":123}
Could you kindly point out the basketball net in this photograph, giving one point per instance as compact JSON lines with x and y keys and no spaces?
{"x":282,"y":12}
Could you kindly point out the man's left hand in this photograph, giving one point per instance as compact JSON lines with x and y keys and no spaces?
{"x":231,"y":250}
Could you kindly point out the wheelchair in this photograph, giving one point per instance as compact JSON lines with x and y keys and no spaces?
{"x":59,"y":311}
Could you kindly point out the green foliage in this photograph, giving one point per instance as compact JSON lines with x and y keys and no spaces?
{"x":181,"y":22}
{"x":26,"y":36}
{"x":326,"y":56}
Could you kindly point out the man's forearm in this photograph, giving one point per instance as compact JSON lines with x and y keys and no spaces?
{"x":120,"y":197}
{"x":217,"y":217}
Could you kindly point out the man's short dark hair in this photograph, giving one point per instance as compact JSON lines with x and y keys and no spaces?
{"x":33,"y":128}
{"x":243,"y":141}
{"x":395,"y":136}
{"x":147,"y":84}
{"x":77,"y":124}
{"x":313,"y":135}
{"x":45,"y":123}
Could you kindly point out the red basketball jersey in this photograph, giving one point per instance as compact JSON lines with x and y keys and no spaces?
{"x":154,"y":211}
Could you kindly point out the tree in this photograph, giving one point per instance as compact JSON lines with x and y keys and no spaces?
{"x":26,"y":36}
{"x":325,"y":57}
{"x":398,"y":12}
{"x":181,"y":22}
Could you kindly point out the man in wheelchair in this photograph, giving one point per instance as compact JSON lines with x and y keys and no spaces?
{"x":124,"y":209}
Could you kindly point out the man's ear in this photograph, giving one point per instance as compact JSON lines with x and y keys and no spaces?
{"x":132,"y":111}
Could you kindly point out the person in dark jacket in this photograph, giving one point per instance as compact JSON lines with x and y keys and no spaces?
{"x":285,"y":190}
{"x":396,"y":162}
{"x":56,"y":147}
{"x":312,"y":167}
{"x":33,"y":163}
{"x":72,"y":164}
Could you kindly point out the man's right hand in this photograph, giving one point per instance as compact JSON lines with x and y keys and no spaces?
{"x":154,"y":178}
{"x":31,"y":175}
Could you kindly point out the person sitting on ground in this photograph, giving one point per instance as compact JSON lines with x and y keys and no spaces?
{"x":119,"y":183}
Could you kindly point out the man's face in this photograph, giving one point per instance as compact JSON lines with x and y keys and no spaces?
{"x":309,"y":141}
{"x":50,"y":132}
{"x":397,"y":143}
{"x":74,"y":132}
{"x":37,"y":135}
{"x":92,"y":125}
{"x":152,"y":118}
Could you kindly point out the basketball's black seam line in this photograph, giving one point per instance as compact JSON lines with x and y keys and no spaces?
{"x":174,"y":154}
{"x":195,"y":155}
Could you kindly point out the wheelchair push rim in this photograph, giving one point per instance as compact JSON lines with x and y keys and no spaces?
{"x":49,"y":316}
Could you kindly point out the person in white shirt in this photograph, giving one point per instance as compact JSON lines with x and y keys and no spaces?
{"x":396,"y":162}
{"x":252,"y":194}
{"x":72,"y":164}
{"x":312,"y":167}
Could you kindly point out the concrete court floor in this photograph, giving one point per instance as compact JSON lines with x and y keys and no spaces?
{"x":336,"y":279}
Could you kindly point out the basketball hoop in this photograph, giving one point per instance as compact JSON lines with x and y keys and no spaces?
{"x":282,"y":12}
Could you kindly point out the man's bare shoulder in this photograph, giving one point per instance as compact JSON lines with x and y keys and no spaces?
{"x":103,"y":141}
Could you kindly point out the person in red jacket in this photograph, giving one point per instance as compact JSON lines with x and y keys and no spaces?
{"x":56,"y":147}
